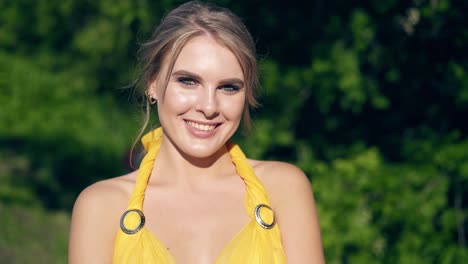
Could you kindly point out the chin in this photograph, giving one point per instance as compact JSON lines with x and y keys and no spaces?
{"x":204,"y":152}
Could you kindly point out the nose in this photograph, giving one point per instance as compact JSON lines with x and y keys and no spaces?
{"x":207,"y":102}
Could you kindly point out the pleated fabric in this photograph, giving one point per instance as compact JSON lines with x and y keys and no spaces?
{"x":254,"y":244}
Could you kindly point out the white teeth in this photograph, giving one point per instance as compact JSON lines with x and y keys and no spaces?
{"x":201,"y":126}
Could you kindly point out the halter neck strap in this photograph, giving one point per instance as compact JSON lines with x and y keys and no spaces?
{"x":151,"y":143}
{"x":256,"y":193}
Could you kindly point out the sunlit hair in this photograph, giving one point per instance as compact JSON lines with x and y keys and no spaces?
{"x":191,"y":20}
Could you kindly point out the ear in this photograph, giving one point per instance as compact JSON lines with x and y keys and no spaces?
{"x":152,"y":90}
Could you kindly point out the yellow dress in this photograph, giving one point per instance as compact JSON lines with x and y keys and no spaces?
{"x":258,"y":242}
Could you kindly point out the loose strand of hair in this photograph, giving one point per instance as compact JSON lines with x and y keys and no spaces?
{"x":146,"y":121}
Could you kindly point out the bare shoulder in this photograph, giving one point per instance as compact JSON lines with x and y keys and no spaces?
{"x":103,"y":191}
{"x":292,"y":199}
{"x":103,"y":197}
{"x":280,"y":178}
{"x":95,"y":219}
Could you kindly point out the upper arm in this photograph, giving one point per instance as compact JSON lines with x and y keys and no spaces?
{"x":93,"y":226}
{"x":292,"y":198}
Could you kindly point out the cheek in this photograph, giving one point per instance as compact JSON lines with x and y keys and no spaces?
{"x":234,"y":108}
{"x":178,"y":99}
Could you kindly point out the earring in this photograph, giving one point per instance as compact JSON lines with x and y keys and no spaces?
{"x":150,"y":98}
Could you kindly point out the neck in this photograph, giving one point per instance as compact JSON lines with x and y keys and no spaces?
{"x":172,"y":166}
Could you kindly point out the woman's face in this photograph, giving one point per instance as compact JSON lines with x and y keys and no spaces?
{"x":204,"y":99}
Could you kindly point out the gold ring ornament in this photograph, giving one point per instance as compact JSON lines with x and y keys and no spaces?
{"x":151,"y":100}
{"x":136,"y":229}
{"x":259,"y":218}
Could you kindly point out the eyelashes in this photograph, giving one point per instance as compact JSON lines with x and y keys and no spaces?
{"x":230,"y":88}
{"x":187,"y":81}
{"x":191,"y":82}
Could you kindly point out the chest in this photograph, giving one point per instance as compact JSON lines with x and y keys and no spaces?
{"x":195,"y":225}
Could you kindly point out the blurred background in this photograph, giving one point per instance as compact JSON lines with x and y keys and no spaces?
{"x":369,"y":98}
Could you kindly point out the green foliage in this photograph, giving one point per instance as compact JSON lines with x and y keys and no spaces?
{"x":56,"y":113}
{"x":369,"y":98}
{"x":32,"y":235}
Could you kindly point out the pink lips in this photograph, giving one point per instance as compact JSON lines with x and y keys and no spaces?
{"x":201,"y":133}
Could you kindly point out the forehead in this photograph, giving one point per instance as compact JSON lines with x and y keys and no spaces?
{"x":205,"y":56}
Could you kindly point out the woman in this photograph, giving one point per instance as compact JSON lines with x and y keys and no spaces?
{"x":195,"y":197}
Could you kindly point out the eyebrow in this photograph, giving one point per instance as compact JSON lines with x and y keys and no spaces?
{"x":196,"y":76}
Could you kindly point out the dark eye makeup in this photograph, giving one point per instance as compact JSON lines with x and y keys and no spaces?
{"x":187,"y":81}
{"x":227,"y":87}
{"x":230,"y":88}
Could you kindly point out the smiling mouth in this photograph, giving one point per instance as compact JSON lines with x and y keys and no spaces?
{"x":201,"y":127}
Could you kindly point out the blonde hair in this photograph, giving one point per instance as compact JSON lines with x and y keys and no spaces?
{"x":186,"y":22}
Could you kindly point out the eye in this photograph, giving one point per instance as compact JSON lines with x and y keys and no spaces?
{"x":230,"y":88}
{"x":187,"y":81}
